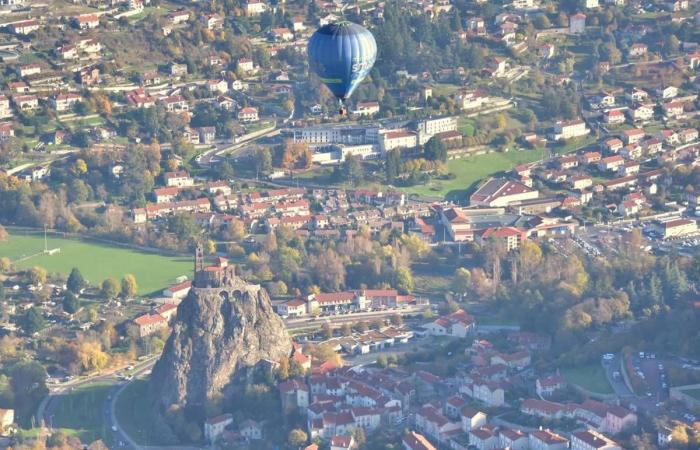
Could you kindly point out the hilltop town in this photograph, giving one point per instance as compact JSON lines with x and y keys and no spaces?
{"x":495,"y":248}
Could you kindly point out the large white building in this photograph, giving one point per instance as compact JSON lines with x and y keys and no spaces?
{"x":347,"y":135}
{"x":398,"y":139}
{"x":570,"y":129}
{"x":430,"y":127}
{"x":501,"y":192}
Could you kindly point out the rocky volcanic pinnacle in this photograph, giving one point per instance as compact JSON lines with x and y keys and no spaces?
{"x":220,"y":335}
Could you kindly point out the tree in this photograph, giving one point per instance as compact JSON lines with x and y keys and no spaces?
{"x":33,"y":321}
{"x":263,"y":161}
{"x":297,"y":437}
{"x":283,"y":369}
{"x":393,"y":165}
{"x":5,"y":264}
{"x":360,"y":437}
{"x":129,"y":286}
{"x":329,"y":270}
{"x":37,"y":275}
{"x":211,"y":247}
{"x":110,"y":288}
{"x":75,"y":282}
{"x":404,"y":280}
{"x":352,"y":170}
{"x":70,"y":303}
{"x":327,"y":330}
{"x":3,"y":234}
{"x":435,"y":150}
{"x":28,"y":385}
{"x":396,"y":320}
{"x":462,"y":281}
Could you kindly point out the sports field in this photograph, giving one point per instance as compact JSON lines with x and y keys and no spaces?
{"x":96,"y":261}
{"x":472,"y":169}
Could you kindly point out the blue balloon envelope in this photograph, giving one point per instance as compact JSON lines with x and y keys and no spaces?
{"x":342,"y":54}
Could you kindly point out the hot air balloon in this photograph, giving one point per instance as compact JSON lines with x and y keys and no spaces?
{"x":342,"y":54}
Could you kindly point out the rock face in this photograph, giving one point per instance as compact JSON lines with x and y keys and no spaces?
{"x":220,"y":336}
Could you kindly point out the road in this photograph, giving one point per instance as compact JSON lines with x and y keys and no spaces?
{"x":46,"y":411}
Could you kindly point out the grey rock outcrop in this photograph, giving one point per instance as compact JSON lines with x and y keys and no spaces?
{"x":220,"y":337}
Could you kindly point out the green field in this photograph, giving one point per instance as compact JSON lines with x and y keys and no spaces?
{"x":695,"y":393}
{"x":81,"y":412}
{"x":134,"y":414}
{"x":591,"y":377}
{"x":471,"y":170}
{"x":96,"y":261}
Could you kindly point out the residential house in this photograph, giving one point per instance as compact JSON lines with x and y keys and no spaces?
{"x":614,"y":116}
{"x":688,"y":135}
{"x":215,"y":427}
{"x":248,"y":114}
{"x":24,"y":27}
{"x":665,"y":92}
{"x":255,"y":7}
{"x":638,"y":49}
{"x":7,"y":418}
{"x":547,"y":440}
{"x":87,"y":21}
{"x":611,"y":163}
{"x":213,"y":21}
{"x":642,"y":113}
{"x":577,"y":23}
{"x":416,"y":441}
{"x":570,"y":129}
{"x":166,"y":194}
{"x":251,"y":430}
{"x":592,"y":440}
{"x":64,"y":102}
{"x":673,"y":110}
{"x":472,"y":419}
{"x":342,"y":442}
{"x":281,"y":34}
{"x":25,"y":102}
{"x":294,"y":394}
{"x":366,"y":109}
{"x":513,"y":439}
{"x":484,"y":438}
{"x":178,"y":179}
{"x":547,"y":386}
{"x":149,"y":324}
{"x":633,"y":136}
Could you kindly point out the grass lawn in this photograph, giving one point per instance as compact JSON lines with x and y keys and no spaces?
{"x":695,"y":393}
{"x":575,"y":144}
{"x":591,"y":378}
{"x":81,"y":412}
{"x":96,"y":261}
{"x":471,"y":170}
{"x":466,"y":126}
{"x":134,"y":414}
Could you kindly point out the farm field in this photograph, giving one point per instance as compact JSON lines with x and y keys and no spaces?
{"x":471,"y":170}
{"x":96,"y":261}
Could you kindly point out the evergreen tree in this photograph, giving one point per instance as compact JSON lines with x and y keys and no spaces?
{"x":75,"y":282}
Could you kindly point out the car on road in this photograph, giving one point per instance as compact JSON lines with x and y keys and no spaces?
{"x":114,"y":428}
{"x":608,"y":356}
